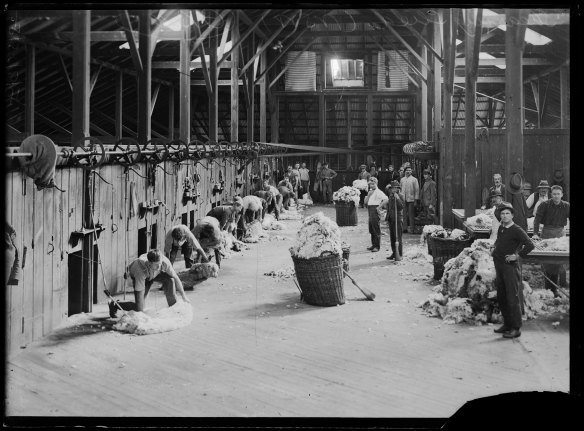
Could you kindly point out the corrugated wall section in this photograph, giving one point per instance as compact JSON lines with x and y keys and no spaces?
{"x":390,"y":71}
{"x":43,"y":221}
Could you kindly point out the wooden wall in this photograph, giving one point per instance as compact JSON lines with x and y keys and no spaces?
{"x":544,"y":151}
{"x":44,"y":220}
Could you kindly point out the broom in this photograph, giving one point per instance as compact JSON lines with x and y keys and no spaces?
{"x":368,"y":294}
{"x":396,"y":244}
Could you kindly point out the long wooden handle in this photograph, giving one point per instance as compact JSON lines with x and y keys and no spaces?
{"x":368,"y":294}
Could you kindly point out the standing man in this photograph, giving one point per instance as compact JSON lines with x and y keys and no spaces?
{"x":363,"y":175}
{"x":558,"y":180}
{"x":554,"y":215}
{"x":496,"y":200}
{"x":228,"y":215}
{"x":393,"y":175}
{"x":293,"y":176}
{"x":535,"y":199}
{"x":429,"y":197}
{"x":394,"y":215}
{"x":304,"y":179}
{"x":372,"y":200}
{"x":411,"y":191}
{"x":497,"y":185}
{"x":515,"y":193}
{"x":144,"y":271}
{"x":512,"y":242}
{"x":180,"y":236}
{"x":327,"y":176}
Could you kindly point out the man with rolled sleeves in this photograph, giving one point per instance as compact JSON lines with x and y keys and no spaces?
{"x":180,"y":236}
{"x":372,"y":200}
{"x":327,"y":176}
{"x":144,"y":271}
{"x":512,"y":242}
{"x":411,"y":190}
{"x":228,"y":215}
{"x":554,"y":215}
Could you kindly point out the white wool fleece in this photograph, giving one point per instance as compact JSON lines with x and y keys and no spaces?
{"x":252,"y":203}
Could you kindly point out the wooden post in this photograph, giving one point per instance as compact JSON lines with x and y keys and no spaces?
{"x":349,"y":132}
{"x":235,"y":79}
{"x":369,"y":120}
{"x":214,"y":96}
{"x":144,"y":79}
{"x":422,"y":101}
{"x":119,"y":106}
{"x":185,"y":79}
{"x":170,"y":113}
{"x":446,"y":163}
{"x":30,"y":90}
{"x":514,"y":40}
{"x":472,"y":36}
{"x":81,"y":55}
{"x":564,"y":96}
{"x":274,"y":102}
{"x":263,"y":99}
{"x":250,"y":92}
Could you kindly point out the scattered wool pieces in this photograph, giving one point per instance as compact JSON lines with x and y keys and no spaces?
{"x":318,"y":235}
{"x":278,"y":238}
{"x":199,"y":271}
{"x":270,"y":223}
{"x":164,"y":320}
{"x":279,"y":274}
{"x":554,"y":244}
{"x":254,"y":232}
{"x":417,"y":254}
{"x":347,"y":194}
{"x":306,"y":200}
{"x":290,"y":215}
{"x":360,"y":184}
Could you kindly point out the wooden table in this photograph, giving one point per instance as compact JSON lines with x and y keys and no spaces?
{"x":458,"y":214}
{"x":477,"y":232}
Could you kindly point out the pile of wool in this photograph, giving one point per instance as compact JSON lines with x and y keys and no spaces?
{"x":543,"y":302}
{"x":347,"y":194}
{"x":318,"y":236}
{"x":254,"y":232}
{"x":360,"y":184}
{"x":199,"y":271}
{"x":280,"y":274}
{"x":533,"y":275}
{"x":306,"y":200}
{"x":554,"y":244}
{"x":164,"y":320}
{"x":483,"y":221}
{"x":270,"y":223}
{"x":448,"y":233}
{"x":417,"y":253}
{"x":428,"y":230}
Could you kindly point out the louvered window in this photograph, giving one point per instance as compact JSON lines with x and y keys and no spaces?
{"x":301,"y":73}
{"x":391,"y":71}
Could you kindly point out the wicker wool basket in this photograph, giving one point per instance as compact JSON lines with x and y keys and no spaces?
{"x":444,"y":249}
{"x":321,"y":279}
{"x":346,"y":251}
{"x":346,"y":213}
{"x":429,"y":243}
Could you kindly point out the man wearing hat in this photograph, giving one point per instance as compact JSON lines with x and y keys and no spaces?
{"x":512,"y":242}
{"x":515,"y":189}
{"x":395,"y":199}
{"x":429,"y":197}
{"x":497,"y":185}
{"x":554,"y":215}
{"x":496,"y":200}
{"x":411,"y":190}
{"x":372,"y":200}
{"x":363,"y":175}
{"x":558,"y":180}
{"x":535,"y":199}
{"x":393,"y":175}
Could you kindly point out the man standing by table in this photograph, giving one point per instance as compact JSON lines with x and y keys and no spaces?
{"x":512,"y":242}
{"x":372,"y":200}
{"x":535,"y":199}
{"x":411,"y":191}
{"x":395,"y":199}
{"x":327,"y":176}
{"x":554,"y":215}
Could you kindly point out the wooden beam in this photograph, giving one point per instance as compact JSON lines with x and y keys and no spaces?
{"x":543,"y":19}
{"x":564,"y":98}
{"x":131,"y":132}
{"x":163,"y":15}
{"x":185,"y":80}
{"x":482,"y":79}
{"x":249,"y":22}
{"x":406,"y":59}
{"x":237,"y":44}
{"x":202,"y":36}
{"x":154,"y":98}
{"x":369,"y":120}
{"x":195,"y":64}
{"x":251,"y":97}
{"x":125,"y":19}
{"x":284,"y":50}
{"x":214,"y":95}
{"x":145,"y":80}
{"x":64,"y":68}
{"x":30,"y":90}
{"x":263,"y":113}
{"x":535,"y":91}
{"x":170,"y":113}
{"x":234,"y":81}
{"x":422,"y":119}
{"x":401,"y":39}
{"x":436,"y":75}
{"x":201,"y":48}
{"x":94,"y":79}
{"x":291,"y":63}
{"x":274,"y":116}
{"x":119,"y":105}
{"x":225,"y":35}
{"x":543,"y":102}
{"x":485,"y":62}
{"x":220,"y":82}
{"x":514,"y":113}
{"x":421,"y":38}
{"x":81,"y":51}
{"x":321,"y":121}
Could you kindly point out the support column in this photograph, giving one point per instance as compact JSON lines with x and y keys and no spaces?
{"x":274,"y":103}
{"x":30,"y":90}
{"x":564,"y":97}
{"x":437,"y":70}
{"x":322,"y":120}
{"x":235,"y":78}
{"x":145,"y":79}
{"x":119,"y":106}
{"x":185,"y":79}
{"x":171,"y":113}
{"x":81,"y":72}
{"x":422,"y":101}
{"x":472,"y":45}
{"x":349,"y":133}
{"x":369,"y":120}
{"x":214,"y":97}
{"x":251,"y":93}
{"x":514,"y":40}
{"x":263,"y":118}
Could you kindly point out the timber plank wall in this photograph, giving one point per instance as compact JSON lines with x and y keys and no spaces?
{"x":544,"y":151}
{"x":43,"y":221}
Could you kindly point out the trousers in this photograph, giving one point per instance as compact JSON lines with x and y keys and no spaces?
{"x":374,"y":228}
{"x":140,"y":296}
{"x":410,"y":213}
{"x":509,"y":293}
{"x":553,"y":271}
{"x":392,"y":235}
{"x":327,"y":191}
{"x":187,"y":252}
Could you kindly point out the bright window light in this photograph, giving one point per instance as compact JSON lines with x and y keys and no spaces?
{"x":531,"y":36}
{"x":484,"y":55}
{"x":175,"y":23}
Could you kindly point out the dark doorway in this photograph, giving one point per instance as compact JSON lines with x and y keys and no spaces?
{"x":142,"y":241}
{"x":83,"y":275}
{"x":185,"y":219}
{"x":154,"y":237}
{"x":192,"y":224}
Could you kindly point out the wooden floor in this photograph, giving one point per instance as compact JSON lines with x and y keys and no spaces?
{"x":255,"y":350}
